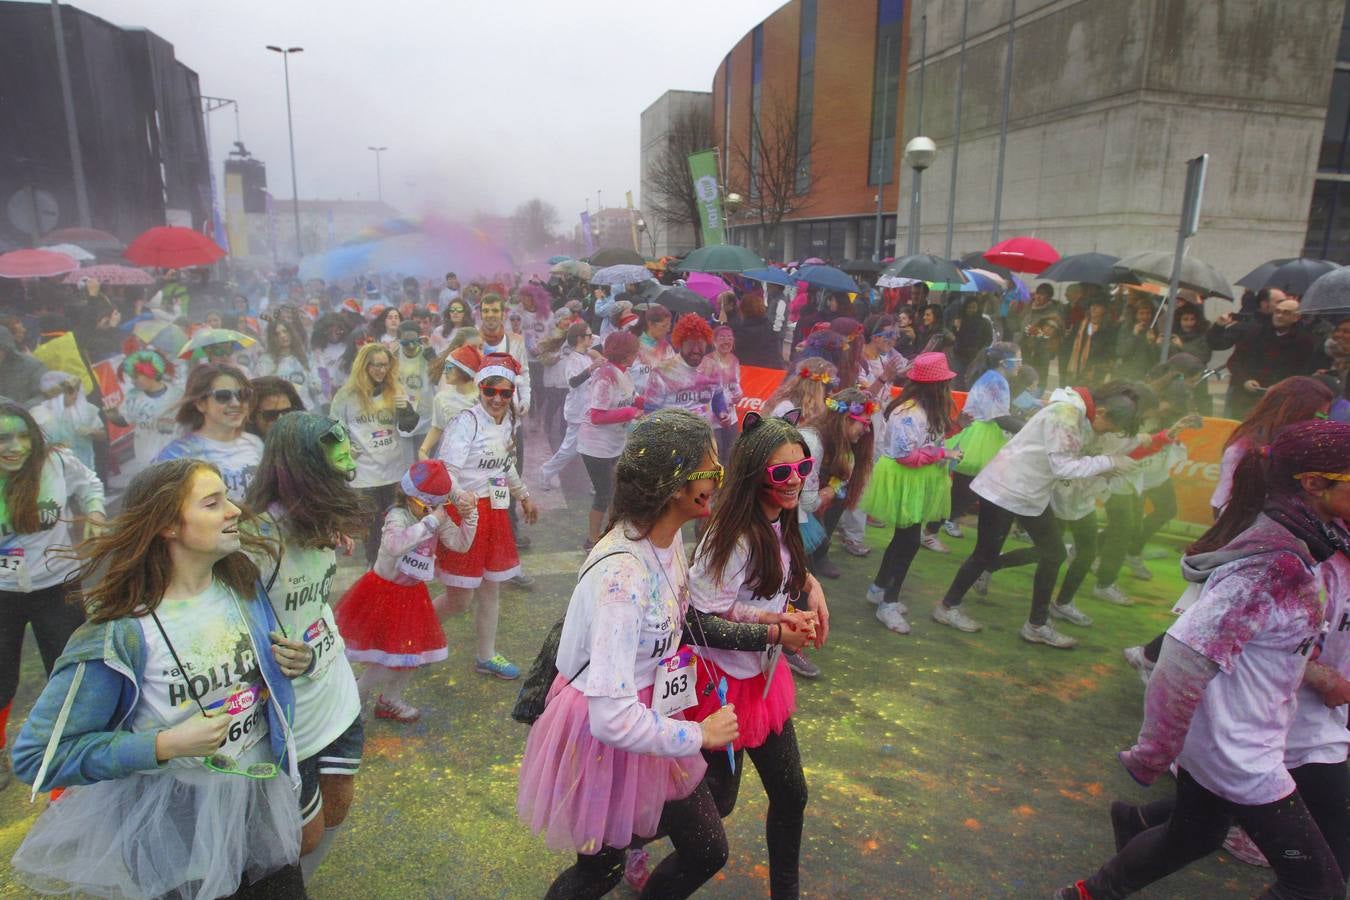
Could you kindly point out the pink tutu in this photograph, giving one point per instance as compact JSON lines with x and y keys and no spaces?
{"x":586,"y":795}
{"x":756,"y":715}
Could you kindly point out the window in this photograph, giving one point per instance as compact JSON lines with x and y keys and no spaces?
{"x":1343,"y":51}
{"x":885,"y":90}
{"x":756,"y":73}
{"x":1329,"y":222}
{"x":1334,"y":134}
{"x":806,"y":84}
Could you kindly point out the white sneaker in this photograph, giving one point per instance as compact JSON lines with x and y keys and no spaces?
{"x":1044,"y":634}
{"x":955,"y":618}
{"x":1139,"y":662}
{"x":953,"y":529}
{"x":1070,"y":551}
{"x":1070,"y":613}
{"x":855,"y":548}
{"x":981,"y":585}
{"x":875,"y":595}
{"x":890,"y":615}
{"x":1112,"y":594}
{"x":931,"y":542}
{"x":1135,"y":566}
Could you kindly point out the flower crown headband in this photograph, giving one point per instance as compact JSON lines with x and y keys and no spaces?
{"x":860,"y":411}
{"x":822,"y":377}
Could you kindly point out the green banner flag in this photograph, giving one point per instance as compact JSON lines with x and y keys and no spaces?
{"x":703,"y":169}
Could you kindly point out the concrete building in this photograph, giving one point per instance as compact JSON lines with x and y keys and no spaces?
{"x":1109,"y":98}
{"x":611,"y":227}
{"x":324,"y":224}
{"x":665,"y":135}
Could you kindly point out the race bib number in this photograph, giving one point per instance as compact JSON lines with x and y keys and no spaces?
{"x":382,"y":438}
{"x":421,"y":566}
{"x":11,"y":561}
{"x":247,"y":710}
{"x":320,"y":638}
{"x":673,"y":690}
{"x":498,"y":492}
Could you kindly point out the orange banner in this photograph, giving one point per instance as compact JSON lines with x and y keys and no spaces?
{"x":1194,"y":479}
{"x":110,"y":387}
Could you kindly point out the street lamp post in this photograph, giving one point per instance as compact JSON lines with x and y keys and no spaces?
{"x":642,"y":229}
{"x":733,"y":202}
{"x":379,"y":183}
{"x":290,"y":130}
{"x":919,"y":155}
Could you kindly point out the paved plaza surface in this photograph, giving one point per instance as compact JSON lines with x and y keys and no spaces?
{"x":939,"y":764}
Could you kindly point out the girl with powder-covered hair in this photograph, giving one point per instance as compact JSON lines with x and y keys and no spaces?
{"x":1222,"y":696}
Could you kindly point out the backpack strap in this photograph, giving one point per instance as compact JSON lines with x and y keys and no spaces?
{"x":595,"y":562}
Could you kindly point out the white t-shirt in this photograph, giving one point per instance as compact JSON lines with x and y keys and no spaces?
{"x":611,"y":388}
{"x":1319,"y":734}
{"x":220,"y":662}
{"x":624,"y":618}
{"x":328,"y":368}
{"x":326,"y":700}
{"x":237,"y":459}
{"x":477,"y":450}
{"x":375,"y":444}
{"x":732,"y":598}
{"x":1232,"y":455}
{"x":578,"y":402}
{"x":302,"y":377}
{"x":448,"y":403}
{"x":151,"y":418}
{"x":1235,"y":746}
{"x":412,"y":374}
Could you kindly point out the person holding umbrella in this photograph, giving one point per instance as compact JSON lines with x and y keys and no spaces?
{"x":1265,"y":354}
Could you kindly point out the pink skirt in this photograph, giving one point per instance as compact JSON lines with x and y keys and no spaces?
{"x":492,"y":556}
{"x":757,"y":716}
{"x":585,"y":795}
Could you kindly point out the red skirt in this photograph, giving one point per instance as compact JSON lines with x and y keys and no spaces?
{"x":758,"y":716}
{"x":393,"y":625}
{"x":493,"y":555}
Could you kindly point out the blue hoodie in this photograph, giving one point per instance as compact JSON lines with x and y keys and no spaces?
{"x":79,"y":730}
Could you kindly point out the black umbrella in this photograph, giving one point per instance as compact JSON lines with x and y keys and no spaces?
{"x":616,"y":256}
{"x":926,"y":268}
{"x":681,"y":300}
{"x":865,"y":266}
{"x":1092,"y":268}
{"x":1293,"y":276}
{"x":977,"y":261}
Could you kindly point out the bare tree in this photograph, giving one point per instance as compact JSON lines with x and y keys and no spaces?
{"x":770,"y":167}
{"x":668,"y":191}
{"x":533,"y":223}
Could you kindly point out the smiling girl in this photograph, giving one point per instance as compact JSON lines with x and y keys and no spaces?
{"x":214,"y":409}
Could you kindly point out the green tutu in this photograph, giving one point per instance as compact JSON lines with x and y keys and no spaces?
{"x":979,"y":441}
{"x":902,"y":496}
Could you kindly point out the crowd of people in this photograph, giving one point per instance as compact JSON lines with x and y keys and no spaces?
{"x":201,"y":728}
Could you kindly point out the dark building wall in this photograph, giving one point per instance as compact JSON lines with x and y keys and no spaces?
{"x":138,"y":114}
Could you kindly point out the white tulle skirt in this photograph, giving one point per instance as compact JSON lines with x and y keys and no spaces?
{"x":182,"y":834}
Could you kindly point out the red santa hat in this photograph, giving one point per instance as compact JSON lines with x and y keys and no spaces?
{"x":428,"y":481}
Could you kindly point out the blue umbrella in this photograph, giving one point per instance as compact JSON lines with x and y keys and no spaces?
{"x":769,"y":275}
{"x":984,"y":283}
{"x":554,"y":260}
{"x":827,"y":277}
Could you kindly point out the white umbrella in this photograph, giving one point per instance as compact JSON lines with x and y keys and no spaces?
{"x":621,"y":274}
{"x":79,"y":254}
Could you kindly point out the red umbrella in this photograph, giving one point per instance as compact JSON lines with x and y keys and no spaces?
{"x":88,"y":238}
{"x":1023,"y":254}
{"x":35,"y":264}
{"x":170,"y":247}
{"x":111,"y":275}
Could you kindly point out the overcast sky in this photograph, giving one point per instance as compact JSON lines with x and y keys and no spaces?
{"x":481,"y":104}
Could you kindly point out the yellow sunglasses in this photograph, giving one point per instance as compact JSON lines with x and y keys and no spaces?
{"x":716,"y":474}
{"x":1329,"y":476}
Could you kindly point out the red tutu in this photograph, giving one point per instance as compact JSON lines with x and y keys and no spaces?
{"x":756,"y":715}
{"x":587,"y":795}
{"x":493,"y":555}
{"x":391,"y":624}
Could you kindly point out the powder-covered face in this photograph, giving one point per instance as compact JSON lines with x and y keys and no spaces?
{"x":15,"y":444}
{"x":339,"y":455}
{"x":785,"y":495}
{"x":693,"y":350}
{"x":724,"y":341}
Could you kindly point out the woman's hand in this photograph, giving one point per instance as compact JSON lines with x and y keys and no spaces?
{"x":720,"y":728}
{"x":294,"y":657}
{"x":95,"y":523}
{"x":200,"y":735}
{"x":528,"y":511}
{"x":815,"y":602}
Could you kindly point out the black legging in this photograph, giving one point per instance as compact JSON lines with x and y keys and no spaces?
{"x":995,"y":523}
{"x":829,"y":520}
{"x":779,"y":764}
{"x":601,"y":470}
{"x":54,"y":619}
{"x":378,"y":500}
{"x":286,"y":883}
{"x":1084,"y":533}
{"x":963,"y":498}
{"x":1164,"y":500}
{"x":693,"y":826}
{"x":896,"y":560}
{"x":1304,"y":865}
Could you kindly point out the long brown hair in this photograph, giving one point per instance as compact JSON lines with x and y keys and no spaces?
{"x":198,"y":388}
{"x":934,"y":398}
{"x":840,"y":459}
{"x":317,"y":503}
{"x":128,"y":565}
{"x":21,"y":488}
{"x":1291,"y":400}
{"x":738,"y":515}
{"x":808,"y":392}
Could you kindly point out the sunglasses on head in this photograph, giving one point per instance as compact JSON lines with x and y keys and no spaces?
{"x":779,"y":473}
{"x":716,"y":474}
{"x":271,"y":415}
{"x":505,"y":393}
{"x":337,"y":433}
{"x":225,"y":397}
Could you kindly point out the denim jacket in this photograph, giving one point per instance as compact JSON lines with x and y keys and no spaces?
{"x":79,"y":731}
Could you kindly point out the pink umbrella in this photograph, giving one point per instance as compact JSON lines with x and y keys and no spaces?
{"x":1023,"y":254}
{"x":813,"y":261}
{"x":705,"y":285}
{"x":35,"y":264}
{"x":111,"y":274}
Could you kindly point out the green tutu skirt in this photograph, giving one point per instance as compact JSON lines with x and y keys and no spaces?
{"x":979,"y":441}
{"x":902,"y":496}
